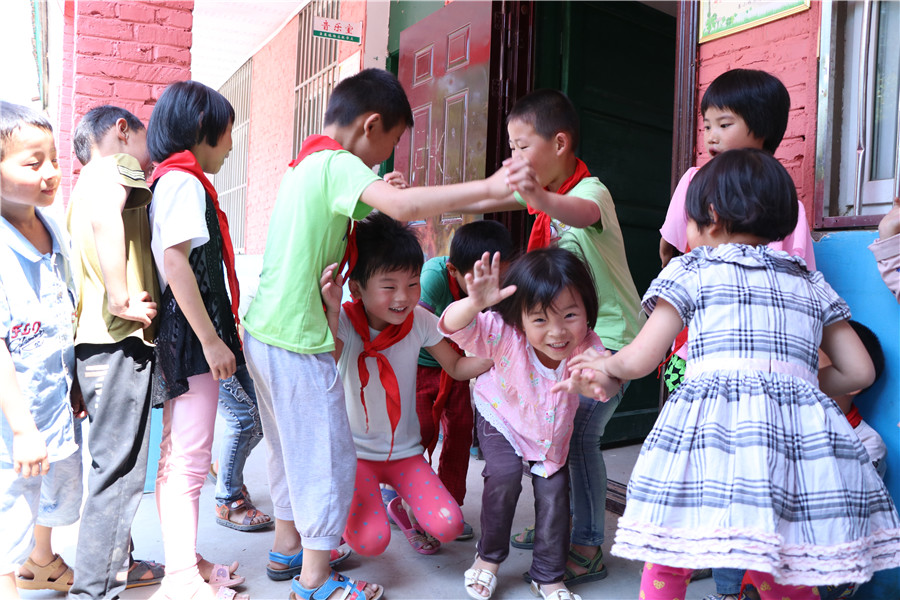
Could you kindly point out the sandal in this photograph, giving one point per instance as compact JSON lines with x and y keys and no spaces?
{"x":482,"y":577}
{"x":223,"y":516}
{"x":139,"y":568}
{"x":561,"y":594}
{"x":527,"y":541}
{"x":335,"y":582}
{"x":421,"y":543}
{"x":294,"y":563}
{"x":224,"y":593}
{"x":595,"y":568}
{"x":223,"y":576}
{"x":41,"y":576}
{"x":213,"y":476}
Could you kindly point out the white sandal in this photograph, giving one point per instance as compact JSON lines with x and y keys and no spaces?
{"x":560,"y":594}
{"x":481,"y":577}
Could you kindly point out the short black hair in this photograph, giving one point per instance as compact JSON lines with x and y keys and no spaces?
{"x":473,"y":239}
{"x":94,"y":125}
{"x":383,"y":245}
{"x":549,"y":112}
{"x":188,"y":113}
{"x":872,"y":346}
{"x":14,"y":117}
{"x":750,"y":191}
{"x":370,"y":90}
{"x":540,"y":276}
{"x":757,"y":97}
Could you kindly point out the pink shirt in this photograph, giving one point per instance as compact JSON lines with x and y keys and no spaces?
{"x":515,"y":397}
{"x":674,"y":230}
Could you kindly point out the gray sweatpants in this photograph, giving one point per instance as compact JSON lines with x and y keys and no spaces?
{"x":312,"y":460}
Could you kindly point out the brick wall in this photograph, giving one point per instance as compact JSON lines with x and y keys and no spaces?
{"x":788,"y":49}
{"x":123,"y":53}
{"x":271,"y":130}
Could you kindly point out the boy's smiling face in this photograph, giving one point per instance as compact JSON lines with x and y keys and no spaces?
{"x":29,"y":171}
{"x":389,"y":296}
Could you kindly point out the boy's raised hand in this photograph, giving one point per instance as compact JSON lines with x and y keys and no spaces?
{"x":331,"y":285}
{"x":396,"y":179}
{"x":521,"y":177}
{"x":483,"y":283}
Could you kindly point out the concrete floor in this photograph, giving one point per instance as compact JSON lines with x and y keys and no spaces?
{"x":404,"y":573}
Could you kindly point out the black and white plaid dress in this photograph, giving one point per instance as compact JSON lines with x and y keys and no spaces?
{"x":749,"y":465}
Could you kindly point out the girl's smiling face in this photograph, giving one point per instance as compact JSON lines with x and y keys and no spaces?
{"x":555,"y":332}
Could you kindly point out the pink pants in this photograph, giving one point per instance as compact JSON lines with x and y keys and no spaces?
{"x":185,"y":454}
{"x":659,"y":582}
{"x":368,"y":531}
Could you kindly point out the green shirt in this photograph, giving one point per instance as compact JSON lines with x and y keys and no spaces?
{"x":600,"y":245}
{"x":307,"y":232}
{"x":435,"y":296}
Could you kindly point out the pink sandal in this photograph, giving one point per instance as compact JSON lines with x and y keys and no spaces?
{"x":420,"y":542}
{"x":222,"y":576}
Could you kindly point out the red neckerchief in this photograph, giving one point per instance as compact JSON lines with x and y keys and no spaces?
{"x":440,"y":401}
{"x":186,"y":162}
{"x":389,"y":336}
{"x":854,"y":417}
{"x":317,"y":143}
{"x":540,"y":231}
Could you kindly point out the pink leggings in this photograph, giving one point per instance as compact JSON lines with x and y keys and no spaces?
{"x":185,"y":453}
{"x":660,"y":582}
{"x":368,"y":531}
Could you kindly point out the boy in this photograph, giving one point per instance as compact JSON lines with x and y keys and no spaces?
{"x":287,"y":342}
{"x":574,"y":211}
{"x":117,"y":290}
{"x":378,"y":338}
{"x":40,"y":462}
{"x":442,"y":402}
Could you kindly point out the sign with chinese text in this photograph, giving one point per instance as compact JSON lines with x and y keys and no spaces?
{"x":345,"y":31}
{"x":719,"y":18}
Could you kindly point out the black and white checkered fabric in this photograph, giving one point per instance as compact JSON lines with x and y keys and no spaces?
{"x":749,"y":464}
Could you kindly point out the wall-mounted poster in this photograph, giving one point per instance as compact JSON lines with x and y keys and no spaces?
{"x":724,"y":17}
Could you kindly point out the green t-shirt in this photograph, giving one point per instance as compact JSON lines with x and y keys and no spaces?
{"x":435,"y":297}
{"x":307,"y":232}
{"x":601,"y":247}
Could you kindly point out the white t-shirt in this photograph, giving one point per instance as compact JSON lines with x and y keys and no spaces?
{"x":375,"y":443}
{"x":177,"y":214}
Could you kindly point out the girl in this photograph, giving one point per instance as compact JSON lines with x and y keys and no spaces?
{"x":749,"y":465}
{"x":544,"y":314}
{"x":189,"y":135}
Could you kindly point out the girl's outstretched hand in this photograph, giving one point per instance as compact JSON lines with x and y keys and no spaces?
{"x":587,"y":378}
{"x":331,"y":285}
{"x":483,"y":283}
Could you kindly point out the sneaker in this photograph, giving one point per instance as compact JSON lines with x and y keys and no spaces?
{"x":467,"y":533}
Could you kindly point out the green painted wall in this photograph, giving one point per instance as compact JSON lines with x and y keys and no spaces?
{"x":405,"y":13}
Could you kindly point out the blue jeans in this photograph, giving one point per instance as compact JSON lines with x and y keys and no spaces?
{"x":237,"y":405}
{"x":728,"y":581}
{"x":587,"y":471}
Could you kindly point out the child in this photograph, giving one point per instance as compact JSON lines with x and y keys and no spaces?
{"x":544,"y":313}
{"x":40,"y":462}
{"x":288,"y":344}
{"x":574,"y":211}
{"x":382,"y":332}
{"x":443,"y":403}
{"x":887,"y":248}
{"x":114,"y":333}
{"x":189,"y":135}
{"x":750,"y":465}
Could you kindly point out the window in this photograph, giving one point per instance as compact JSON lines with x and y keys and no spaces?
{"x":857,"y":137}
{"x":231,"y":180}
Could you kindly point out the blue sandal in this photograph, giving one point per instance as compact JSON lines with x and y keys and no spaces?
{"x":353,"y":590}
{"x":294,"y":563}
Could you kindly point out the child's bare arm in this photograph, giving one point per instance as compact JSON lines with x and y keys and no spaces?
{"x":331,"y":286}
{"x":219,"y":356}
{"x":571,"y":210}
{"x":483,"y":284}
{"x":889,"y":225}
{"x":458,"y":367}
{"x":420,"y":202}
{"x":666,"y":252}
{"x":851,"y":368}
{"x":29,"y":450}
{"x":109,"y":238}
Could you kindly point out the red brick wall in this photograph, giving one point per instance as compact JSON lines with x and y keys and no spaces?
{"x":271,"y":130}
{"x":352,"y":11}
{"x":788,"y":49}
{"x":123,"y":53}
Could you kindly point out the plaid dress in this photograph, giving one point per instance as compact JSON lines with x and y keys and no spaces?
{"x":749,"y":465}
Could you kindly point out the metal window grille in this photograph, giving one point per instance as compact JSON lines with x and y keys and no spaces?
{"x":231,"y":180}
{"x":317,"y":71}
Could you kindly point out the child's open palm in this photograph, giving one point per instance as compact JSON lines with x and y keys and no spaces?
{"x":331,"y":285}
{"x":483,"y":283}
